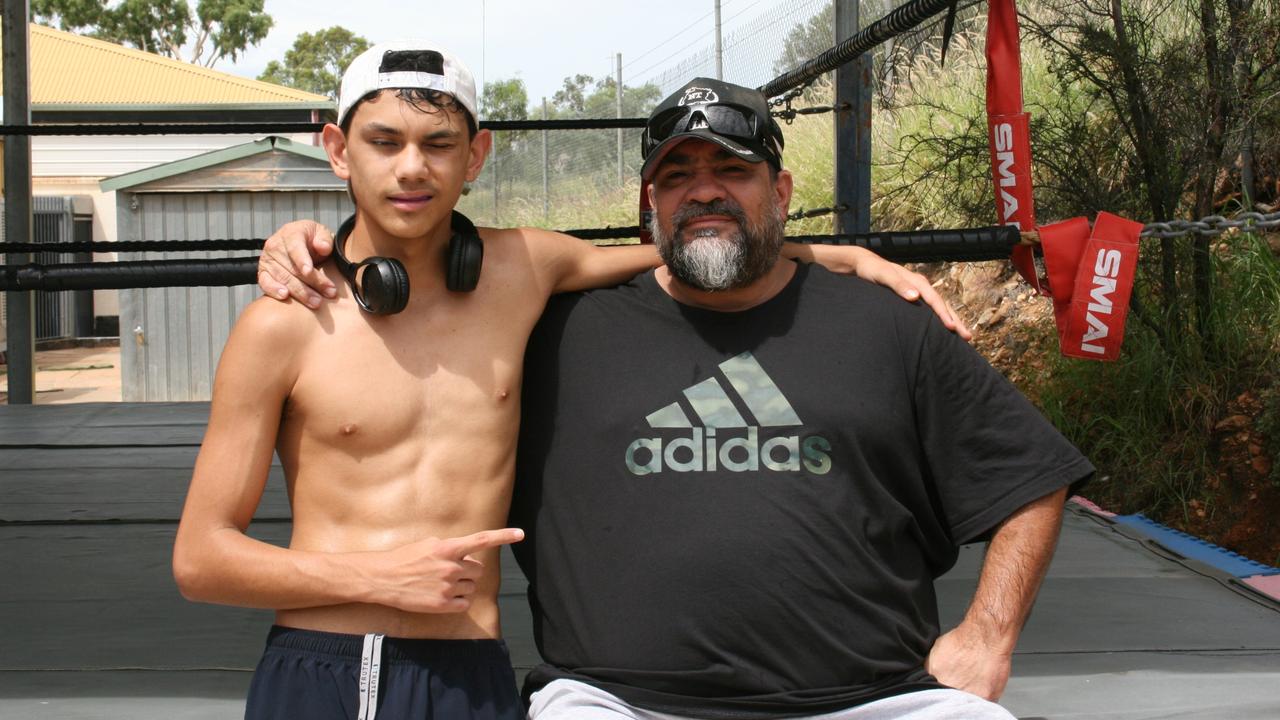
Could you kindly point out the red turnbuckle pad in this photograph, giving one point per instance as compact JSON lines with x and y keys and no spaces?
{"x":1090,"y":279}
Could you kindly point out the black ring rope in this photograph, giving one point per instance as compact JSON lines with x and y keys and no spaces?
{"x":895,"y":23}
{"x":266,"y":128}
{"x":130,"y":274}
{"x":898,"y":21}
{"x":133,"y":246}
{"x":608,"y":233}
{"x":961,"y":245}
{"x":989,"y":243}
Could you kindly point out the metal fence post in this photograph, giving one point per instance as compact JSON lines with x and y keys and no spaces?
{"x":852,"y":130}
{"x":619,"y":114}
{"x":546,"y":184}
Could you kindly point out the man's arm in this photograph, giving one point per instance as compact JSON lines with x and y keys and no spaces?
{"x":568,"y":263}
{"x":287,"y":267}
{"x":977,"y":655}
{"x":288,"y":264}
{"x":215,"y":561}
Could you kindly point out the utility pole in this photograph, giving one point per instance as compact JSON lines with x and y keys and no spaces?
{"x":19,"y":306}
{"x":719,"y":46}
{"x":619,"y":115}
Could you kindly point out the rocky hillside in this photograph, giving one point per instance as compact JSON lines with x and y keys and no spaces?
{"x":1239,"y":506}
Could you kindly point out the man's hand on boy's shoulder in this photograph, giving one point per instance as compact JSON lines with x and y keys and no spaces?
{"x":289,"y":264}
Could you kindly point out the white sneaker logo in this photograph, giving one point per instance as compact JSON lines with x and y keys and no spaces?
{"x":715,"y":411}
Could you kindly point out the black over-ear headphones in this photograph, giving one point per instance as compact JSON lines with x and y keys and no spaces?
{"x":381,"y":285}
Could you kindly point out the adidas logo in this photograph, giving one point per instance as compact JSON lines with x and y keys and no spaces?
{"x":719,"y":437}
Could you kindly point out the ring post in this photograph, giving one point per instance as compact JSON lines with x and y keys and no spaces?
{"x":19,"y":306}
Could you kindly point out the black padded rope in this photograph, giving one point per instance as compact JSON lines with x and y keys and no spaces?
{"x":990,"y":243}
{"x":963,"y":245}
{"x":895,"y":23}
{"x":133,"y":246}
{"x":268,"y":128}
{"x":609,"y":233}
{"x":130,"y":274}
{"x":582,"y":124}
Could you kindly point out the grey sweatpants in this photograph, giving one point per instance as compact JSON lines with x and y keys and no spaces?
{"x":572,"y":700}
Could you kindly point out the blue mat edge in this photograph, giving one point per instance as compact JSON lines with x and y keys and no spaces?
{"x":1197,"y":549}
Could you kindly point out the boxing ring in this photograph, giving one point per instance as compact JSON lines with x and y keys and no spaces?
{"x":1133,"y":621}
{"x":1128,"y":625}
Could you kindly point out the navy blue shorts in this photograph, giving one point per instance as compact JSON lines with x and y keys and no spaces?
{"x":320,"y":675}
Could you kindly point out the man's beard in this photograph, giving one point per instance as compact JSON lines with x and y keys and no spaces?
{"x":713,"y":261}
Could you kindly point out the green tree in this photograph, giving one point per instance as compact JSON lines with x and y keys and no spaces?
{"x":505,"y":100}
{"x":214,"y":30}
{"x":316,"y":61}
{"x":807,"y":40}
{"x":636,"y":101}
{"x":572,"y":98}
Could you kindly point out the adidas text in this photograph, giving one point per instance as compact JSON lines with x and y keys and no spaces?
{"x":703,"y":451}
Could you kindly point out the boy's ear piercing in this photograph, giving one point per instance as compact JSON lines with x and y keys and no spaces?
{"x":466,"y":188}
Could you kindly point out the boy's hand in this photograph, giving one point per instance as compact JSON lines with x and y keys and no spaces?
{"x":287,"y":267}
{"x":911,"y":286}
{"x":437,"y":575}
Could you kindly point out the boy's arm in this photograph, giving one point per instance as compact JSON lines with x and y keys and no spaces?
{"x":570,"y":264}
{"x":215,"y":561}
{"x":854,"y":260}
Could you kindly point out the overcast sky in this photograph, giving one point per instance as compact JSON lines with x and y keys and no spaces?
{"x":539,"y":41}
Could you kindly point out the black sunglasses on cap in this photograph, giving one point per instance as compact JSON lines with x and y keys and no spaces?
{"x":724,"y":119}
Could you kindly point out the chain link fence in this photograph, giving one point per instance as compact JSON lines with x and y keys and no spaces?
{"x":588,"y":178}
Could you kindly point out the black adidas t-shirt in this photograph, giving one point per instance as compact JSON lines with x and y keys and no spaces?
{"x":741,"y":514}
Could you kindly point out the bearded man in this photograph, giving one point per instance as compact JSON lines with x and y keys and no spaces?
{"x":739,"y":476}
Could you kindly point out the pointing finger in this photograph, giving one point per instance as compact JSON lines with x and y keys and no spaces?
{"x":461,"y":547}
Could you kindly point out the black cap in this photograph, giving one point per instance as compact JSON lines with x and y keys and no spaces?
{"x":758,"y":139}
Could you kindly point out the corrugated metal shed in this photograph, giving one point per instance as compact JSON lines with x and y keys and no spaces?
{"x":171,"y":338}
{"x":72,"y":71}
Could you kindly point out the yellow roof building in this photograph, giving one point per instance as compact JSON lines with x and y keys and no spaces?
{"x":73,"y":72}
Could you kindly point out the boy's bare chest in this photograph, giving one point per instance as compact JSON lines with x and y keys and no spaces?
{"x":372,"y":384}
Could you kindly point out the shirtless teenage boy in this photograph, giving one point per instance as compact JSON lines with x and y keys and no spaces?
{"x":396,"y":432}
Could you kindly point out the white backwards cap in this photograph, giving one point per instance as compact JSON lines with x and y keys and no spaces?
{"x":406,"y":64}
